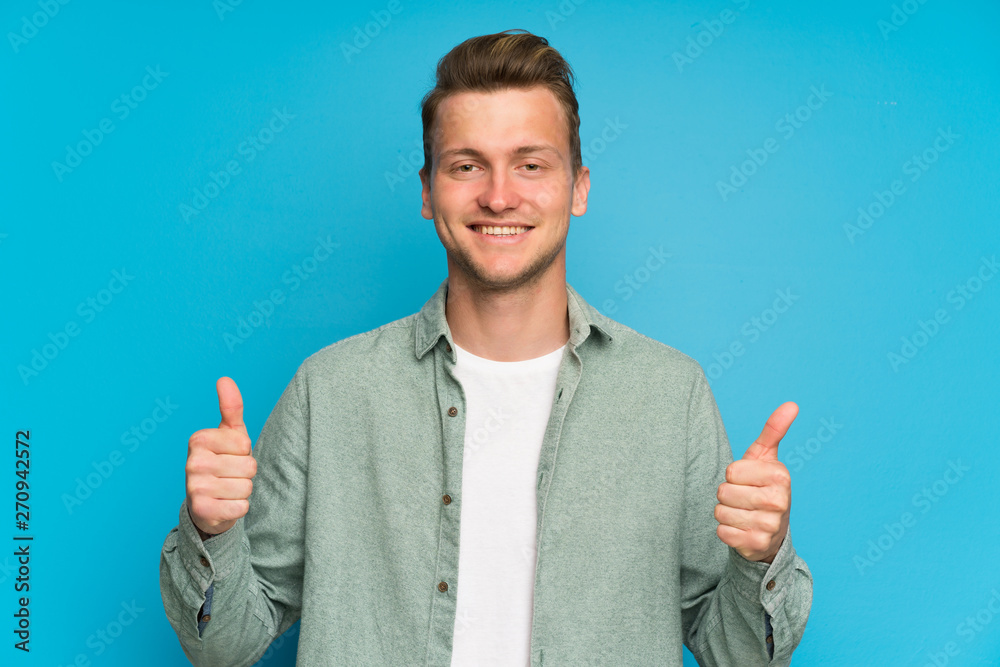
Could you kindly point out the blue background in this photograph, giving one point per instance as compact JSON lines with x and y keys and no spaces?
{"x":690,"y":96}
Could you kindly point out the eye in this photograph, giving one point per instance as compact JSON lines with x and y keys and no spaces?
{"x":537,"y":167}
{"x":462,"y":167}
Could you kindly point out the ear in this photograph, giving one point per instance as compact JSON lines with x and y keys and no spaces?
{"x":427,"y":209}
{"x":581,"y":187}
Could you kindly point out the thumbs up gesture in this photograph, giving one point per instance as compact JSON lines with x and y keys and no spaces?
{"x":220,"y":467}
{"x":756,"y":498}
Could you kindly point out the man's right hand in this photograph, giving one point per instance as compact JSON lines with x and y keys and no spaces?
{"x":220,"y":466}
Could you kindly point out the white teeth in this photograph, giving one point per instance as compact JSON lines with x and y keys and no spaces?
{"x":500,"y":231}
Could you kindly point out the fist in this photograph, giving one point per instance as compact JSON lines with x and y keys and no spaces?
{"x":220,"y":468}
{"x":756,"y":498}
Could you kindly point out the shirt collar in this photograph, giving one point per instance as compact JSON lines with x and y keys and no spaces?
{"x":432,"y":324}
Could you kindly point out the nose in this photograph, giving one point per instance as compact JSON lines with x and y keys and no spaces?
{"x":499,"y":192}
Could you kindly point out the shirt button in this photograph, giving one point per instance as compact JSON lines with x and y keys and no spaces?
{"x":204,"y":561}
{"x":206,"y":618}
{"x":446,"y":498}
{"x":770,"y":585}
{"x":443,"y":587}
{"x":452,"y":411}
{"x":447,"y":347}
{"x":770,"y":639}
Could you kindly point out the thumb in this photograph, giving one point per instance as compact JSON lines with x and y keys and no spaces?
{"x":230,"y":404}
{"x":765,"y":447}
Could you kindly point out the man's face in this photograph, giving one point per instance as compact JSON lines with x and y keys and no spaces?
{"x":502,"y":159}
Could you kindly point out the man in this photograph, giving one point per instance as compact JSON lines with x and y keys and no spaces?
{"x":506,"y":477}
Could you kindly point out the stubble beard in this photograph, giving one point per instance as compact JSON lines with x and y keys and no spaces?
{"x":485,"y":282}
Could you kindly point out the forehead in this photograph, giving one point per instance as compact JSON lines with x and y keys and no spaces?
{"x":501,"y":119}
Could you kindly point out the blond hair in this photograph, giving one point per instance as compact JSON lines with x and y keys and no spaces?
{"x":490,"y":63}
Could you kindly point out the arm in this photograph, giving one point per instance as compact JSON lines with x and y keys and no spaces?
{"x":254,"y":569}
{"x":727,"y":601}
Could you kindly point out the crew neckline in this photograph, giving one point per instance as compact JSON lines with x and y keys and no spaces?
{"x":552,"y":358}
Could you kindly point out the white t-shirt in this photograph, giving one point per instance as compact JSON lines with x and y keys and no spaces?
{"x":508,"y":404}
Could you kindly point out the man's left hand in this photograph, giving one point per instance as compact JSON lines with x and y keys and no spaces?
{"x":756,"y":497}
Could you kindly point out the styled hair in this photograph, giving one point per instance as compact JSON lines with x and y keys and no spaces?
{"x":504,"y":60}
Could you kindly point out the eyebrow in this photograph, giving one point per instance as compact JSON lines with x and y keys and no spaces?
{"x":521,"y":150}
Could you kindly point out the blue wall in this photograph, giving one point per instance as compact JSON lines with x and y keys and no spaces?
{"x":836,"y":161}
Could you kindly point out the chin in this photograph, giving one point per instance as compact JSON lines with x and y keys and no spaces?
{"x":506,"y":280}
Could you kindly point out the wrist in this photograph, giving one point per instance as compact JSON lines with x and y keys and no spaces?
{"x":203,"y":535}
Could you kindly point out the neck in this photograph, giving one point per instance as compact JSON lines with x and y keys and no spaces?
{"x":509,"y":325}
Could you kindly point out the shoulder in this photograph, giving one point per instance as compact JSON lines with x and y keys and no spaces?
{"x":387,"y":344}
{"x":639,"y":351}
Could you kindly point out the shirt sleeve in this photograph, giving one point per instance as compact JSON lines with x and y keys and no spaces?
{"x":734,"y":611}
{"x":250,"y":577}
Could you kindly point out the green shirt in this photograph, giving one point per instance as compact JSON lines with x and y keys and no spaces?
{"x":353,"y":523}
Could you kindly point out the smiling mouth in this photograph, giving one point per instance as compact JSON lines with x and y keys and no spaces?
{"x":500,"y":230}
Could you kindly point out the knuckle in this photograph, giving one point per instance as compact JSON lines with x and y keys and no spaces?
{"x":200,"y":439}
{"x":237,"y":441}
{"x":198,"y":507}
{"x":768,"y":501}
{"x":242,"y":507}
{"x":197,"y":465}
{"x":781,"y":501}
